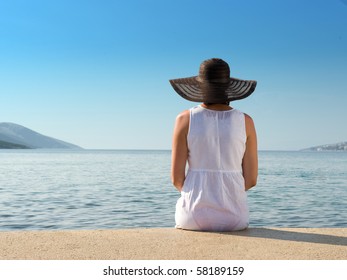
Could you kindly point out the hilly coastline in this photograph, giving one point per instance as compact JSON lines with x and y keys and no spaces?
{"x":341,"y":146}
{"x":15,"y":136}
{"x":8,"y":145}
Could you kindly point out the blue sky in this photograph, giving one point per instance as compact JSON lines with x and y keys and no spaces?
{"x":95,"y":73}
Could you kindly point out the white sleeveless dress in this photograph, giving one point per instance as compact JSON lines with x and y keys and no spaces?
{"x":213,"y":197}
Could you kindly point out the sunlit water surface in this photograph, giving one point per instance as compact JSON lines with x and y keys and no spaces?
{"x":97,"y":189}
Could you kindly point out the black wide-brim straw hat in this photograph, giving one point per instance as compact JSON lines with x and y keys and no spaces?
{"x":213,"y":84}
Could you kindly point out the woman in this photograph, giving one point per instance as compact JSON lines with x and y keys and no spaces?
{"x":220,"y":145}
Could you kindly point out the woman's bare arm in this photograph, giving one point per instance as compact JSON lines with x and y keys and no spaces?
{"x":250,"y":158}
{"x":179,"y":150}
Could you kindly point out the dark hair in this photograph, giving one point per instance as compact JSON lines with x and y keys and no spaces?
{"x":208,"y":104}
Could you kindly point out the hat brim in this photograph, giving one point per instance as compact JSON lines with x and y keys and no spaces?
{"x":193,"y":90}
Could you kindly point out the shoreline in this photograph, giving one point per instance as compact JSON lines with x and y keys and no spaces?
{"x":174,"y":244}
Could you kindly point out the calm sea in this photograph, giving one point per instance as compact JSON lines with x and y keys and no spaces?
{"x":98,"y":189}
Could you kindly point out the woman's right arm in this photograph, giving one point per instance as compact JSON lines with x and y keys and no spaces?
{"x":250,"y":158}
{"x":180,"y":150}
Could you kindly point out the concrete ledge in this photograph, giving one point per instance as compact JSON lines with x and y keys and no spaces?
{"x":173,"y":244}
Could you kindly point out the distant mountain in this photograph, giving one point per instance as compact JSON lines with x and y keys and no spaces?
{"x":14,"y":136}
{"x":342,"y":146}
{"x":7,"y":145}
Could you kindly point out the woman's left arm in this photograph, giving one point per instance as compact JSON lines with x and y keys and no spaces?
{"x":180,"y":150}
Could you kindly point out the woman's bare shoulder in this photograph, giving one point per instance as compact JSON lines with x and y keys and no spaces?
{"x":183,"y":117}
{"x":185,"y":113}
{"x":182,"y":123}
{"x":250,"y":128}
{"x":248,"y":117}
{"x":249,"y":120}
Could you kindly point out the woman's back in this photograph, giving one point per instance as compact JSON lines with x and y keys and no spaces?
{"x":213,"y":195}
{"x":216,"y":139}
